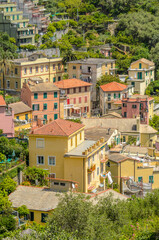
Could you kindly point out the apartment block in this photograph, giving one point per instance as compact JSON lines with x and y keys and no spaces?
{"x":36,"y":65}
{"x":90,"y":70}
{"x":43,"y":98}
{"x":78,"y":102}
{"x":141,"y":74}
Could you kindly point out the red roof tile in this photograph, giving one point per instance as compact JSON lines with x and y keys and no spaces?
{"x":59,"y":127}
{"x":2,"y":102}
{"x":71,"y":83}
{"x":113,"y":87}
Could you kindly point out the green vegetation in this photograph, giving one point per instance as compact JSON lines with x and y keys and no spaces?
{"x":154,"y":122}
{"x":35,"y":175}
{"x":23,"y":211}
{"x":153,"y":88}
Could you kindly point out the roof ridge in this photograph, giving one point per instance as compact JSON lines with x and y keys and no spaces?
{"x":61,"y":128}
{"x":43,"y":126}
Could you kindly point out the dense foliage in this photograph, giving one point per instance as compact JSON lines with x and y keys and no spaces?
{"x":36,"y":176}
{"x":154,"y":122}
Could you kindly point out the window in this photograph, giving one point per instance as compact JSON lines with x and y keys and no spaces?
{"x":13,"y":17}
{"x":125,"y":114}
{"x":74,"y":101}
{"x":97,"y":171}
{"x":108,"y":164}
{"x":37,"y":69}
{"x":31,"y":216}
{"x":45,"y":117}
{"x":26,"y":117}
{"x":124,"y":140}
{"x":81,"y":67}
{"x":85,"y":89}
{"x":45,"y":106}
{"x":16,"y":85}
{"x":52,"y":160}
{"x":11,"y":9}
{"x":55,"y":116}
{"x":17,"y":117}
{"x":111,"y":65}
{"x":139,"y":75}
{"x":80,"y":99}
{"x":74,"y":67}
{"x":140,"y":65}
{"x":151,"y":72}
{"x":52,"y":175}
{"x":16,"y":70}
{"x":40,"y":160}
{"x":35,"y":117}
{"x":79,"y":89}
{"x":140,"y":179}
{"x":35,"y":107}
{"x":35,"y":95}
{"x":133,"y":84}
{"x":30,"y":70}
{"x":71,"y":142}
{"x":42,"y":68}
{"x":43,"y":217}
{"x":17,"y":17}
{"x":46,"y":68}
{"x":74,"y":76}
{"x":56,"y":183}
{"x":146,"y":73}
{"x":55,"y":105}
{"x":114,"y":95}
{"x":8,"y":84}
{"x":134,"y":106}
{"x":85,"y":99}
{"x":62,"y":184}
{"x":25,"y":71}
{"x":68,"y":91}
{"x":55,"y":94}
{"x":40,"y":143}
{"x":119,"y":95}
{"x":151,"y":180}
{"x":45,"y":95}
{"x":124,"y":105}
{"x":7,"y":9}
{"x":54,"y":66}
{"x":54,"y":79}
{"x":74,"y":90}
{"x":68,"y":101}
{"x":59,"y":78}
{"x":59,"y":66}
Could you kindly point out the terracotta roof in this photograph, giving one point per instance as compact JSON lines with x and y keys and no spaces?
{"x":59,"y":127}
{"x":42,"y":87}
{"x":20,"y":107}
{"x":135,"y":97}
{"x":113,"y":87}
{"x":116,"y":157}
{"x":2,"y":102}
{"x":71,"y":83}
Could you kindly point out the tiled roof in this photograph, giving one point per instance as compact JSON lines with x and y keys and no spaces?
{"x":42,"y":87}
{"x":59,"y":127}
{"x":20,"y":107}
{"x":135,"y":97}
{"x":144,"y":60}
{"x":2,"y":102}
{"x":113,"y":87}
{"x":95,"y":61}
{"x":144,"y":128}
{"x":71,"y":83}
{"x":116,"y":157}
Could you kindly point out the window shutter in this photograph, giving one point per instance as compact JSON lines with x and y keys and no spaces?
{"x":33,"y":107}
{"x":38,"y":106}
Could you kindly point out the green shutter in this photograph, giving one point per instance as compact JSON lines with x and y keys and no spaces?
{"x":35,"y":96}
{"x":141,"y":75}
{"x":55,"y":105}
{"x":139,"y":179}
{"x":151,"y":179}
{"x":114,"y":95}
{"x":119,"y":95}
{"x":33,"y":107}
{"x":45,"y":106}
{"x":45,"y":117}
{"x":140,"y":65}
{"x":138,"y":75}
{"x":38,"y":106}
{"x":55,"y":116}
{"x":55,"y":94}
{"x":54,"y":79}
{"x":45,"y":95}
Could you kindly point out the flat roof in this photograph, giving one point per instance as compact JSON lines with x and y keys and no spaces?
{"x":20,"y":107}
{"x":95,"y":133}
{"x":35,"y":198}
{"x":81,"y":148}
{"x":93,"y":61}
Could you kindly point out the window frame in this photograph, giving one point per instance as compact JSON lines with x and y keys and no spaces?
{"x":37,"y":142}
{"x":54,"y":159}
{"x":43,"y":160}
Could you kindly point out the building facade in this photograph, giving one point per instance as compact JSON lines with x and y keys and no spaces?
{"x":36,"y":65}
{"x":141,"y":74}
{"x":60,"y":147}
{"x":6,"y":119}
{"x":25,"y":32}
{"x":78,"y":101}
{"x":90,"y":70}
{"x":138,"y":106}
{"x":43,"y":98}
{"x":111,"y":93}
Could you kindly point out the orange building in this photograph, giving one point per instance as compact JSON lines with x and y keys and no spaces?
{"x":43,"y":98}
{"x":78,"y":97}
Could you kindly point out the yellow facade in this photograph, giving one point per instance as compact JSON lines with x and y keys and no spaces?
{"x":37,"y":215}
{"x":69,"y":166}
{"x":151,"y":109}
{"x":147,"y":140}
{"x":50,"y":70}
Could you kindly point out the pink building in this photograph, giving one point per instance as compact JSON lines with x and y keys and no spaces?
{"x":43,"y":98}
{"x":6,"y":119}
{"x":138,"y":106}
{"x":106,"y":50}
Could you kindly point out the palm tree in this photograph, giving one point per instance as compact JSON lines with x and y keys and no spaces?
{"x":68,"y":56}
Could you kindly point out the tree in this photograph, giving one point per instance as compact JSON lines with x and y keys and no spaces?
{"x":8,"y":185}
{"x":154,"y":122}
{"x":23,"y":211}
{"x":68,"y":56}
{"x":34,"y":174}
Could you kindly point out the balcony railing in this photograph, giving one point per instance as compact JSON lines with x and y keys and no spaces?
{"x":91,"y":169}
{"x":103,"y":158}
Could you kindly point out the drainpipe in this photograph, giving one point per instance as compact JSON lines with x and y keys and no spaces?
{"x":84,"y":190}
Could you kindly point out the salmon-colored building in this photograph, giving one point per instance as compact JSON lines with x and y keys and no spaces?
{"x":43,"y":98}
{"x":78,"y":101}
{"x":6,"y":119}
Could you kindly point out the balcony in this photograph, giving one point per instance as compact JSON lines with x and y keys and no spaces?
{"x":103,"y":158}
{"x":85,"y":72}
{"x":68,"y":106}
{"x":91,"y":169}
{"x":103,"y":175}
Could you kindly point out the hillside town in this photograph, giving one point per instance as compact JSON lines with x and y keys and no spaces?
{"x":79,"y":120}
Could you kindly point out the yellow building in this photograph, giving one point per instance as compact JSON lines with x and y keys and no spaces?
{"x":123,"y":168}
{"x":36,"y":65}
{"x":90,"y":70}
{"x":22,"y":115}
{"x":60,"y":147}
{"x":141,"y":73}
